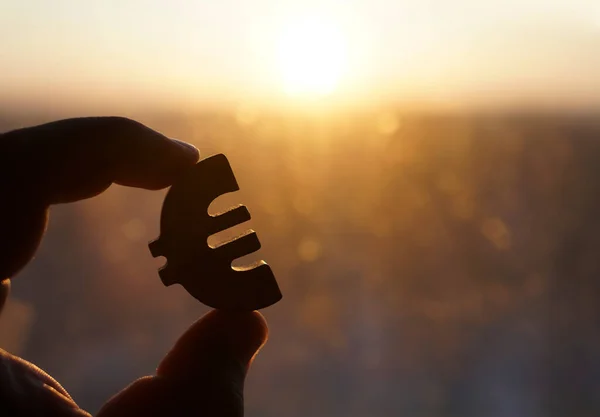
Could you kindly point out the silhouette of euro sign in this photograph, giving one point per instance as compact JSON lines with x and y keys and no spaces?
{"x":205,"y":271}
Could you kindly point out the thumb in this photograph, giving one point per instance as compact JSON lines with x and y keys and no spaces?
{"x":203,"y":374}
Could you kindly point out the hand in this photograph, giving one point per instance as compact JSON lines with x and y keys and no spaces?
{"x":74,"y":159}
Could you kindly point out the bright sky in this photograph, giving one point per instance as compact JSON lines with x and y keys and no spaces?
{"x":203,"y":51}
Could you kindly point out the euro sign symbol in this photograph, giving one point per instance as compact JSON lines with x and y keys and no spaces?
{"x":205,"y":271}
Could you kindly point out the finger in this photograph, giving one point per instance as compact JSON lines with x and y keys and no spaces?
{"x":73,"y":159}
{"x":225,"y":340}
{"x":26,"y":390}
{"x":21,"y":228}
{"x":202,"y":375}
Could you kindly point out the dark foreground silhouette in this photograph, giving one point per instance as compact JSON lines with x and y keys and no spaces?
{"x":185,"y":228}
{"x":75,"y":159}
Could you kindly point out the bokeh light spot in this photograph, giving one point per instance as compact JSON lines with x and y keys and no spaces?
{"x":388,"y":123}
{"x":134,"y":230}
{"x":309,"y":250}
{"x":496,"y":232}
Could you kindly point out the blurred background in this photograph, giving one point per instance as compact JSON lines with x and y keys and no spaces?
{"x":423,"y":176}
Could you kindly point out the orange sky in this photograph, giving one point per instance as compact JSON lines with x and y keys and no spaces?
{"x":136,"y":52}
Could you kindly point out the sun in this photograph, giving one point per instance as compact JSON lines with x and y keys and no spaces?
{"x":312,"y":57}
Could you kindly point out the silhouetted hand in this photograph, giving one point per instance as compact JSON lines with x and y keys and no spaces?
{"x":73,"y":159}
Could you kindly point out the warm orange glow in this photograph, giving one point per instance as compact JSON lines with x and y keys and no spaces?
{"x":312,"y":57}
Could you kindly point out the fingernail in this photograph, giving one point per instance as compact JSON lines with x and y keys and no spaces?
{"x":188,"y":147}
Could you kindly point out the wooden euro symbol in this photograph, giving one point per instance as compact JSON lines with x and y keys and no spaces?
{"x":205,"y":271}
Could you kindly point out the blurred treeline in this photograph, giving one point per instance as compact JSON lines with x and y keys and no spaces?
{"x":431,"y":265}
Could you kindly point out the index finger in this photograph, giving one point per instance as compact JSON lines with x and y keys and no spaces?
{"x":70,"y":160}
{"x":73,"y":159}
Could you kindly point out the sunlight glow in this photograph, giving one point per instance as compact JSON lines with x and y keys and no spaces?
{"x":312,"y":57}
